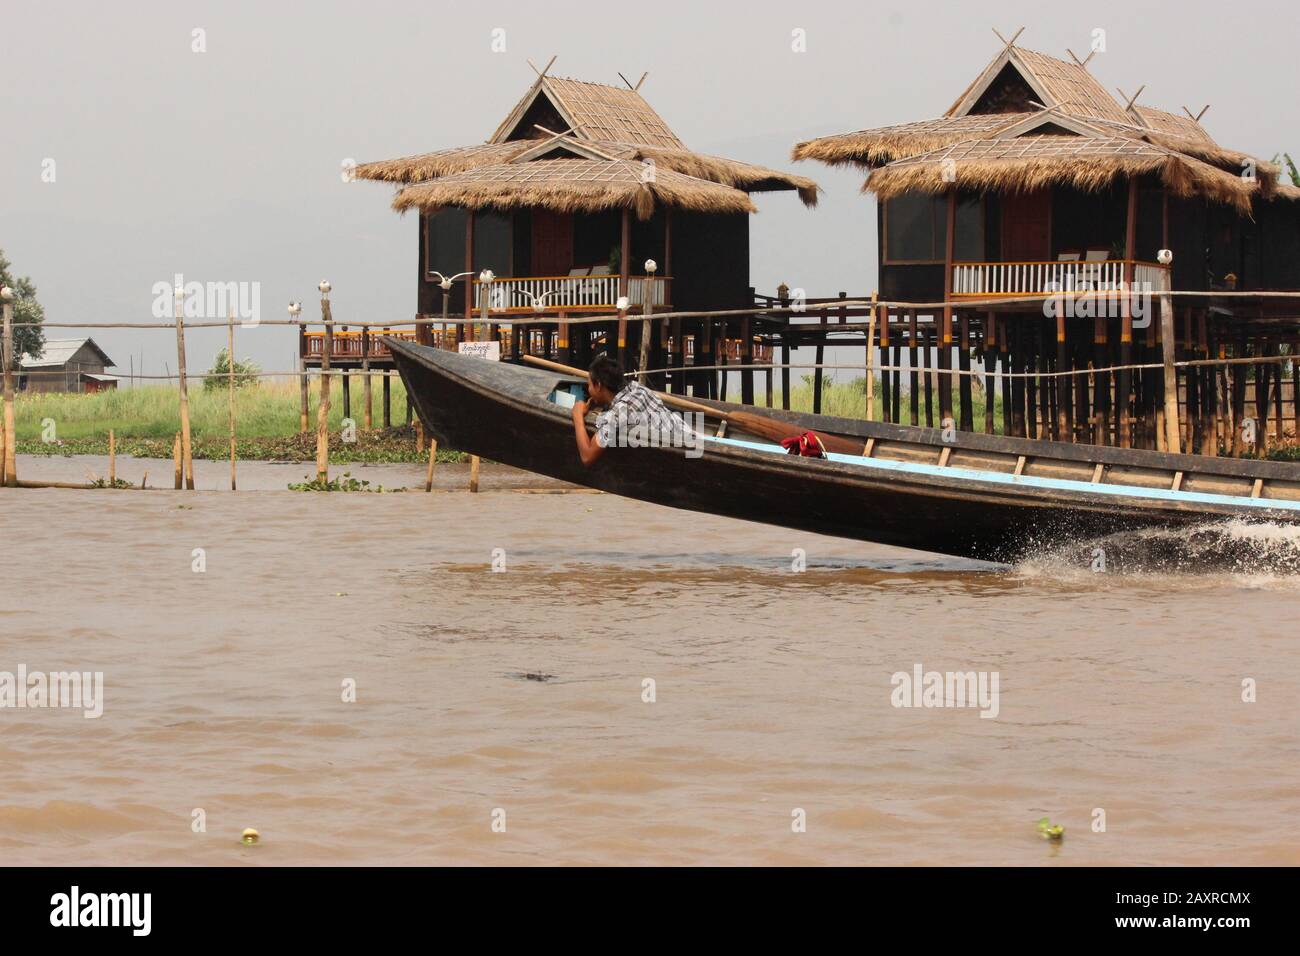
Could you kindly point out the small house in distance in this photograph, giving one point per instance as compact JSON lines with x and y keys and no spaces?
{"x":67,"y":365}
{"x":579,"y":186}
{"x":1037,"y":186}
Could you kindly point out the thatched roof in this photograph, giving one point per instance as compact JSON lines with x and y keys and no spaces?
{"x":573,"y":185}
{"x":875,"y":147}
{"x":1022,"y":93}
{"x":1026,"y":163}
{"x":614,"y":123}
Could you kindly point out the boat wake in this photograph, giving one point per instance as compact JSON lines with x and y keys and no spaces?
{"x":1252,"y":553}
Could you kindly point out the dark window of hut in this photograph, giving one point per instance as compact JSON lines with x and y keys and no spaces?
{"x":916,"y":227}
{"x":493,"y":243}
{"x":444,"y":241}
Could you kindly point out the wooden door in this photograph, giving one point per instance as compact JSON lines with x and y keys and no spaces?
{"x":552,"y":243}
{"x":1027,"y":226}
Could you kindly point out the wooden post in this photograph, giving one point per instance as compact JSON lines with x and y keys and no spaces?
{"x":187,"y":460}
{"x":323,"y":408}
{"x":963,"y":386}
{"x":914,"y":380}
{"x":945,"y":337}
{"x":886,"y":376}
{"x":112,"y":459}
{"x":622,"y":339}
{"x":388,"y":399}
{"x":1064,"y":385}
{"x":1173,"y":441}
{"x":433,"y":454}
{"x":230,"y":381}
{"x":1125,"y":377}
{"x":367,"y":392}
{"x":473,"y":473}
{"x":747,"y":359}
{"x":871,"y":360}
{"x":990,"y":372}
{"x":176,"y":462}
{"x":304,"y":400}
{"x":466,"y":333}
{"x":7,"y":358}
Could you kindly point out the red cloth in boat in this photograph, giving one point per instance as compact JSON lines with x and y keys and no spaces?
{"x":807,"y":445}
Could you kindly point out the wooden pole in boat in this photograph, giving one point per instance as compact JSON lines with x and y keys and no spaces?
{"x":433,"y":454}
{"x":871,"y":362}
{"x":187,"y":461}
{"x":230,"y":381}
{"x":473,"y":473}
{"x":622,"y":334}
{"x":10,"y":469}
{"x":1172,"y":440}
{"x":323,"y":408}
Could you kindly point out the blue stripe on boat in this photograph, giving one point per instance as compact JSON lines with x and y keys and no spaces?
{"x":1002,"y":478}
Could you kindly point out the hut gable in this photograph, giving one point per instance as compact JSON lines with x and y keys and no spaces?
{"x":79,"y":352}
{"x":1018,"y":80}
{"x":592,"y":110}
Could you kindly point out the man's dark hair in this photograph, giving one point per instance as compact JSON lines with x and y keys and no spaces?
{"x":606,"y":371}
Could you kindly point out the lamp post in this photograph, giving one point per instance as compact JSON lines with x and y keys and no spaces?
{"x":445,"y":283}
{"x":485,"y":282}
{"x":647,"y":310}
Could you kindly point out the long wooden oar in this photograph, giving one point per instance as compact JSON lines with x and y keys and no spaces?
{"x":769,"y":428}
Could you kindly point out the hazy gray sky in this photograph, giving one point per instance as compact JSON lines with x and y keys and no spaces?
{"x":225,"y":165}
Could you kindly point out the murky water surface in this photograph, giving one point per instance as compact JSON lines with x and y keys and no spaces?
{"x":524,"y":691}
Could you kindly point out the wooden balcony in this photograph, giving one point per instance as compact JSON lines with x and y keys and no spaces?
{"x":1008,"y":279}
{"x":548,"y":295}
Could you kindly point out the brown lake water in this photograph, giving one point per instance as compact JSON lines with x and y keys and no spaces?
{"x":483,"y":696}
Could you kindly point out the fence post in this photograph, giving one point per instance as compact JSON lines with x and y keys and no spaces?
{"x":187,"y":461}
{"x":10,"y":467}
{"x":230,"y":371}
{"x":323,"y":411}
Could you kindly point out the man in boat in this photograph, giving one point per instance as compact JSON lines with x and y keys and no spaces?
{"x":633,"y":416}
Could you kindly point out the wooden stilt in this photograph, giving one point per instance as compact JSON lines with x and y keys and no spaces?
{"x":990,"y":372}
{"x":913,"y":357}
{"x":323,"y":406}
{"x":967,"y":410}
{"x":388,"y":399}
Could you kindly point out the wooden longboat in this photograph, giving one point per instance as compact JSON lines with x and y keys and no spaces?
{"x":978,"y":496}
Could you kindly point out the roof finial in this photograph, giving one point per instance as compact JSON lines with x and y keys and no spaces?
{"x":636,"y":88}
{"x":541,"y":74}
{"x":1077,"y":61}
{"x":1131,"y":99}
{"x":1009,"y":43}
{"x":1197,"y":117}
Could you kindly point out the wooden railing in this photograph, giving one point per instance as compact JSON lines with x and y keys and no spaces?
{"x":549,"y":294}
{"x":353,"y":344}
{"x":987,"y":279}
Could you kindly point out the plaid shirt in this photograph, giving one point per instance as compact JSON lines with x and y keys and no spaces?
{"x":637,"y":406}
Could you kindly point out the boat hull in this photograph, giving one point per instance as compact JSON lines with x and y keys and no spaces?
{"x":502,"y":412}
